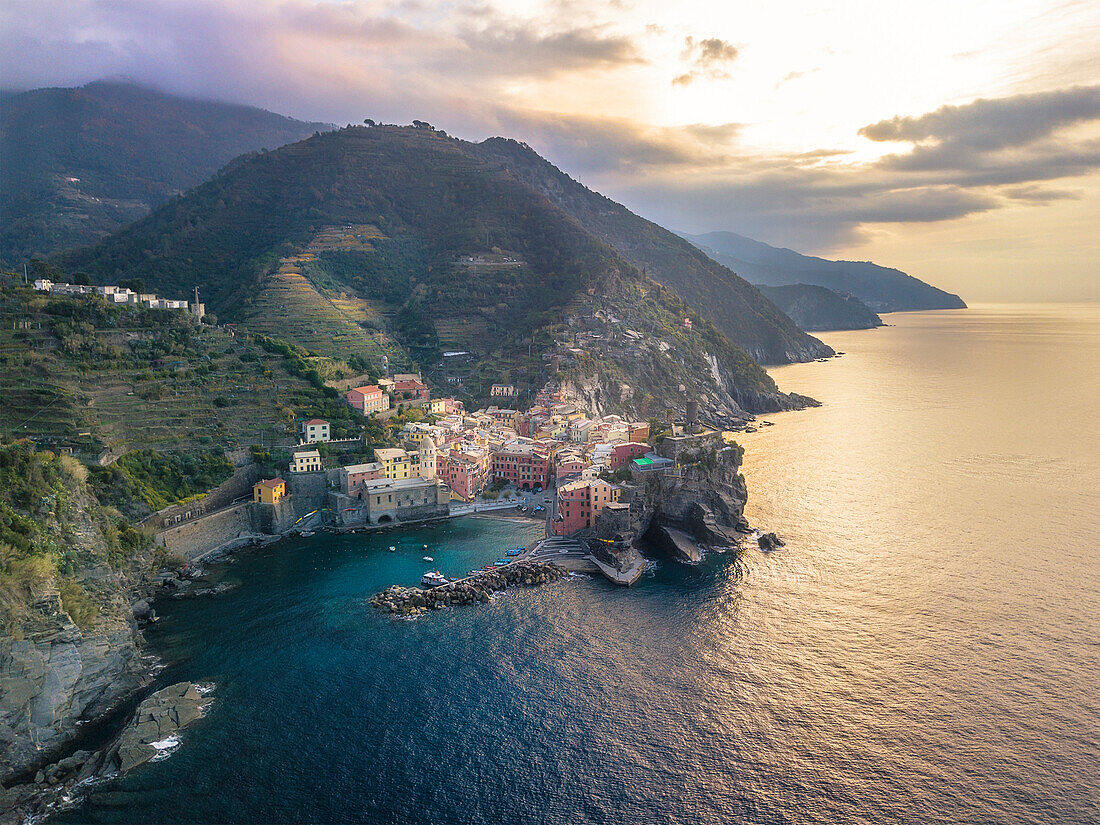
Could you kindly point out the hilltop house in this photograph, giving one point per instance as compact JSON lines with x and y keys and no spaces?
{"x":314,"y":430}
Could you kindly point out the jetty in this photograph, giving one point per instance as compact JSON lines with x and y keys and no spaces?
{"x":475,"y":589}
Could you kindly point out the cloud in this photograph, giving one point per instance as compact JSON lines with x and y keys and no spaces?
{"x":708,"y":57}
{"x":993,"y":124}
{"x":597,"y":146}
{"x":963,"y":160}
{"x":477,"y":69}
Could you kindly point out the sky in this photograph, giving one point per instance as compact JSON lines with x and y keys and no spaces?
{"x":958,"y":141}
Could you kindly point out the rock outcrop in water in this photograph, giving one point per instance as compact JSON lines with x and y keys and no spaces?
{"x":412,"y":601}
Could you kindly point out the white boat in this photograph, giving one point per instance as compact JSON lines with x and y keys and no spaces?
{"x":433,"y":578}
{"x":428,"y":558}
{"x":307,"y":533}
{"x":392,"y":548}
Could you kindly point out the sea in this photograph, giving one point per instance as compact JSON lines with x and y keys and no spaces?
{"x":924,"y":649}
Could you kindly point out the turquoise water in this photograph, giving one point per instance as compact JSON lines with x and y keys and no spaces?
{"x":925,"y":650}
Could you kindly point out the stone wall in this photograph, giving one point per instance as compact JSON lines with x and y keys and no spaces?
{"x":309,"y":491}
{"x":193,"y":538}
{"x":237,"y":486}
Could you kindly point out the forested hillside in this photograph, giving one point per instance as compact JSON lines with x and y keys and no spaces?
{"x":882,"y":288}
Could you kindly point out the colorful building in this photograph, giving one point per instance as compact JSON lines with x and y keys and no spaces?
{"x":412,"y":389}
{"x":269,"y":490}
{"x":621,"y":454}
{"x":368,"y":399}
{"x":522,"y":465}
{"x":306,"y":461}
{"x":396,"y":463}
{"x":461,"y":474}
{"x":579,"y":502}
{"x":354,"y":476}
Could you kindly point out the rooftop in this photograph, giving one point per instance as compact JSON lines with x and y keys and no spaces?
{"x":397,"y":484}
{"x":270,"y":482}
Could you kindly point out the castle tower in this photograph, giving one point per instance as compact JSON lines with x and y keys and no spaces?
{"x":427,"y":458}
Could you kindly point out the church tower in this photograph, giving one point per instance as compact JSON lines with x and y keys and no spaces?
{"x":427,"y":458}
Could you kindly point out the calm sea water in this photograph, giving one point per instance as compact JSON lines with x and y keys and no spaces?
{"x":926,"y":649}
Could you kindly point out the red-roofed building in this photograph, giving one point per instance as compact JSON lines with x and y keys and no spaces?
{"x":368,"y":399}
{"x":413,"y":389}
{"x":269,"y":490}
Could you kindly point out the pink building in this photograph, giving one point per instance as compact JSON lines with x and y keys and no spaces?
{"x":569,"y":467}
{"x":579,"y":502}
{"x":524,"y":466}
{"x":621,"y":454}
{"x":353,"y":476}
{"x":368,"y":399}
{"x":461,"y":474}
{"x":413,"y":389}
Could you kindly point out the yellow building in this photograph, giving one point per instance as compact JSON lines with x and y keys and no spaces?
{"x":269,"y":490}
{"x":396,"y":462}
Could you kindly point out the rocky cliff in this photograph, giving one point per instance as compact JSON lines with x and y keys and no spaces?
{"x":69,"y":644}
{"x":697,"y":507}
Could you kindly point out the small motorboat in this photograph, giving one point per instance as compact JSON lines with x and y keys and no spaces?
{"x":393,"y":549}
{"x":500,"y":562}
{"x":307,"y":533}
{"x":428,"y":558}
{"x":515,"y":551}
{"x":474,"y":572}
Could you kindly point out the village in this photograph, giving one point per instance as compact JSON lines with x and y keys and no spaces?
{"x":552,"y":462}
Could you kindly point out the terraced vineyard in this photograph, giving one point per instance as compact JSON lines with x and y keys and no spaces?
{"x":139,"y":379}
{"x":290,"y":307}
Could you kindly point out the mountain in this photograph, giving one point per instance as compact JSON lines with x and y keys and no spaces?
{"x":817,"y":309}
{"x":883,"y":289}
{"x":710,"y":288}
{"x":77,"y":164}
{"x":405,"y":242}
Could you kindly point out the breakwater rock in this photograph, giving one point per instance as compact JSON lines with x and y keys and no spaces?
{"x":411,"y":601}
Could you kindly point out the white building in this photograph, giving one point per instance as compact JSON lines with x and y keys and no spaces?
{"x":315,"y":430}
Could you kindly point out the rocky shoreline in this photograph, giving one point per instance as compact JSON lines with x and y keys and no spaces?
{"x":413,"y":601}
{"x":152,"y":731}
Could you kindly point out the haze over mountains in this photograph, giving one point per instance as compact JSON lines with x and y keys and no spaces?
{"x":882,"y":288}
